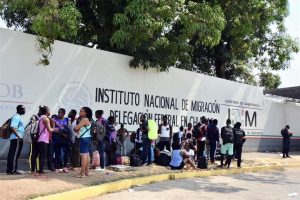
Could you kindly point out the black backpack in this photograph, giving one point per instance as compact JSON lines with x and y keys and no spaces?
{"x":164,"y":158}
{"x":196,"y":130}
{"x":202,"y":162}
{"x":238,"y":137}
{"x":135,"y":160}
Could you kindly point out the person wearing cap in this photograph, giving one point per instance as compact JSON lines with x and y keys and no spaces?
{"x":16,"y":140}
{"x":227,"y":147}
{"x":239,"y":139}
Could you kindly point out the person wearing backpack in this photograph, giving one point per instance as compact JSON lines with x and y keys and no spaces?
{"x":99,"y":134}
{"x":227,"y":147}
{"x":286,"y":135}
{"x":75,"y":155}
{"x":83,"y":130}
{"x":42,"y":138}
{"x":239,"y":139}
{"x":33,"y":128}
{"x":16,"y":143}
{"x":111,"y":144}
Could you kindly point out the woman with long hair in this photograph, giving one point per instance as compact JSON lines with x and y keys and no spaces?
{"x":83,"y":129}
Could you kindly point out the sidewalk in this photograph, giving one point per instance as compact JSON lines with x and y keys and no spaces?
{"x":27,"y":186}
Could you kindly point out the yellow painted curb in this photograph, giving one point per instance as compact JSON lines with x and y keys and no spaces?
{"x":98,"y":190}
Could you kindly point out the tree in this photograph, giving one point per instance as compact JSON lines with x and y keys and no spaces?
{"x":229,"y":39}
{"x":254,"y":39}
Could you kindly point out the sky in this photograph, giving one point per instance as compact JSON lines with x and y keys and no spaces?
{"x":290,"y":76}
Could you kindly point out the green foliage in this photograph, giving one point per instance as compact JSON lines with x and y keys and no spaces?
{"x":49,"y":20}
{"x":269,"y":80}
{"x":230,"y":39}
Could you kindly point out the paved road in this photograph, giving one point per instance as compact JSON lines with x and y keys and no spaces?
{"x":264,"y":186}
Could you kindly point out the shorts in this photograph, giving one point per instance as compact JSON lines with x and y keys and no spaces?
{"x":227,"y":149}
{"x":85,"y":145}
{"x":179,"y":167}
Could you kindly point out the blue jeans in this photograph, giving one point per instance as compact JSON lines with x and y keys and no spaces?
{"x":146,"y":150}
{"x":101,"y":153}
{"x":66,"y":153}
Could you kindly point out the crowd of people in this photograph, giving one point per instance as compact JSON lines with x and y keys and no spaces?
{"x":67,"y":142}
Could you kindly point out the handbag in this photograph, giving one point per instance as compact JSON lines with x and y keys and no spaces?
{"x":77,"y":139}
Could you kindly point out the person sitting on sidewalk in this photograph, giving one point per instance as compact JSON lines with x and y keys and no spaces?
{"x":180,"y":158}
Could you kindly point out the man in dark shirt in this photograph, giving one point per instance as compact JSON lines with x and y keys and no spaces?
{"x":286,"y":134}
{"x":213,"y":138}
{"x":146,"y":141}
{"x":239,"y":139}
{"x":227,"y":147}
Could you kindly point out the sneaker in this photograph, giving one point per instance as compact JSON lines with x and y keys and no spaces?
{"x":288,"y":156}
{"x":99,"y":169}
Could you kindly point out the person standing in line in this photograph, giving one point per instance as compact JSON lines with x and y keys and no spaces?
{"x":213,"y":136}
{"x":112,"y":144}
{"x":122,"y":134}
{"x":33,"y":146}
{"x":146,"y":154}
{"x":286,"y":135}
{"x":62,"y":147}
{"x":99,"y":131}
{"x":201,"y":139}
{"x":165,"y":135}
{"x":227,"y":147}
{"x":188,"y":132}
{"x":75,"y":155}
{"x":42,"y":139}
{"x":83,"y":130}
{"x":16,"y":140}
{"x":138,"y":139}
{"x":239,"y":139}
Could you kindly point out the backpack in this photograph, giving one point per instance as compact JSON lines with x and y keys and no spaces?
{"x":31,"y":129}
{"x":164,"y":158}
{"x":98,"y":130}
{"x":238,"y":137}
{"x":196,"y":131}
{"x":202,"y":162}
{"x":135,"y":160}
{"x":5,"y":129}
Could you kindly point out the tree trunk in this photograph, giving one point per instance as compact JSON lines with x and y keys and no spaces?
{"x":220,"y":60}
{"x":220,"y":68}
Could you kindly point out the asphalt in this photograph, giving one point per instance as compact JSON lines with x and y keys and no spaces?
{"x":270,"y":185}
